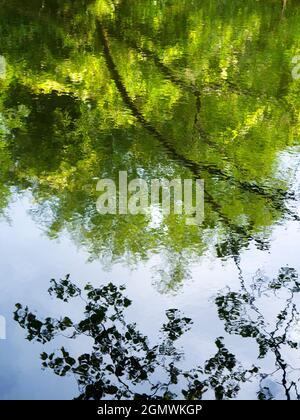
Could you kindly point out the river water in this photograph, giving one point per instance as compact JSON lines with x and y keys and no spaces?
{"x":171,"y":89}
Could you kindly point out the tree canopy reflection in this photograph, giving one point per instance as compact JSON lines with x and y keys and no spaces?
{"x":277,"y":335}
{"x":184,"y":90}
{"x":121,"y":362}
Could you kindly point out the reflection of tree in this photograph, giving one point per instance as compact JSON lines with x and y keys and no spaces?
{"x":245,"y":313}
{"x":93,"y":88}
{"x":122,"y":363}
{"x":196,"y":169}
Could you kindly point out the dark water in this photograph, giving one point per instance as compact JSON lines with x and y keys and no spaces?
{"x":161,"y":89}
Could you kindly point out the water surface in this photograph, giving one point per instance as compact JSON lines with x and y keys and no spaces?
{"x":160,"y":89}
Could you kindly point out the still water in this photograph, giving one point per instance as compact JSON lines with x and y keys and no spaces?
{"x":174,"y":89}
